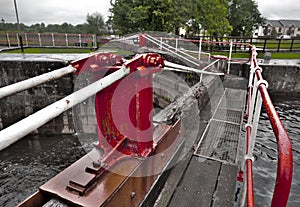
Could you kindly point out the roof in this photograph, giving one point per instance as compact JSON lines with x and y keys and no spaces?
{"x":274,"y":23}
{"x":283,"y":23}
{"x":289,"y":22}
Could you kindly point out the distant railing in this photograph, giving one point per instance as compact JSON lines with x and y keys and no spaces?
{"x":266,"y":44}
{"x":258,"y":95}
{"x":48,"y":40}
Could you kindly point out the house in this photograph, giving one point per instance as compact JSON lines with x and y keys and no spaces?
{"x":282,"y":27}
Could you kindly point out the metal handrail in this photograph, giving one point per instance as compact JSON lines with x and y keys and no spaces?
{"x":285,"y":157}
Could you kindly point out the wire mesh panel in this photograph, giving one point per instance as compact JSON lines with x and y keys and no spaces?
{"x":221,"y":138}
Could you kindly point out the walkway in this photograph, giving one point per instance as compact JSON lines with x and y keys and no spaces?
{"x":208,"y":177}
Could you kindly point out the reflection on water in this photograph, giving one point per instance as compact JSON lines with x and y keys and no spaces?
{"x":31,"y":162}
{"x":266,"y":154}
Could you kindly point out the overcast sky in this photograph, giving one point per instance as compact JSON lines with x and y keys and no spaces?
{"x":74,"y":11}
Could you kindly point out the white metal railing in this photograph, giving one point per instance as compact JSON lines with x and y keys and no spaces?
{"x":258,"y":95}
{"x":50,"y":39}
{"x":171,"y":65}
{"x":172,"y":50}
{"x":35,"y":81}
{"x":20,"y":129}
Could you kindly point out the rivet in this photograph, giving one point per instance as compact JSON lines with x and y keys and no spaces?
{"x":132,"y":194}
{"x":96,"y":163}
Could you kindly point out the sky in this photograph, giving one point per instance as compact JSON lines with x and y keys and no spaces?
{"x":74,"y":11}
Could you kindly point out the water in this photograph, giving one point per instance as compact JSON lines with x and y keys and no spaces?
{"x":32,"y":161}
{"x":266,"y":154}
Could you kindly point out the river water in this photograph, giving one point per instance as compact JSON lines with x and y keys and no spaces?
{"x":35,"y":159}
{"x":266,"y":153}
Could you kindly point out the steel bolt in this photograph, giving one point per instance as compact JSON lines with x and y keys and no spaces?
{"x":96,"y":163}
{"x":132,"y":194}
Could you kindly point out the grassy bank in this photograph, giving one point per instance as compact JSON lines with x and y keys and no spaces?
{"x":274,"y":55}
{"x":49,"y":50}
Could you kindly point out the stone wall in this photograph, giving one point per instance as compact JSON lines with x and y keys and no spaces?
{"x":16,"y":107}
{"x":282,"y":79}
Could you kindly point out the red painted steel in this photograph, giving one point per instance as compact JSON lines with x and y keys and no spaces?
{"x":250,"y":189}
{"x":143,"y":41}
{"x":285,"y":157}
{"x":124,"y":109}
{"x":249,"y":173}
{"x":285,"y":154}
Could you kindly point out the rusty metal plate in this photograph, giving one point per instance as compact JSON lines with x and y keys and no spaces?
{"x":114,"y":186}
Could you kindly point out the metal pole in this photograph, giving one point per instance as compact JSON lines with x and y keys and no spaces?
{"x":94,"y":41}
{"x":8,"y":41}
{"x":200,"y":48}
{"x":29,"y":83}
{"x":40,"y":40}
{"x":20,"y":129}
{"x":230,"y":55}
{"x":53,"y":40}
{"x":67,"y":42}
{"x":18,"y":39}
{"x":26,"y":39}
{"x":79,"y":37}
{"x":255,"y":124}
{"x":18,"y":24}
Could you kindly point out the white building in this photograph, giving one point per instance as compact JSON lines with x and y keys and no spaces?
{"x":279,"y":28}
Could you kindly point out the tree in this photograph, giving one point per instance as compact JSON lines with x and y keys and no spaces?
{"x":213,"y":16}
{"x":95,"y":23}
{"x":244,"y":16}
{"x":143,"y":15}
{"x":130,"y":16}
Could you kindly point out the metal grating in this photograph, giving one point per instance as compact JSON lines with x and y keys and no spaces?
{"x":232,"y":104}
{"x":235,"y":94}
{"x":220,"y":141}
{"x":221,"y":138}
{"x":228,"y":115}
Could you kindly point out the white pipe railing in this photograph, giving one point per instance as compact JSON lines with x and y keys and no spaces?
{"x":38,"y":80}
{"x":171,"y":65}
{"x":155,"y":41}
{"x":50,"y":39}
{"x":230,"y":57}
{"x":22,"y":128}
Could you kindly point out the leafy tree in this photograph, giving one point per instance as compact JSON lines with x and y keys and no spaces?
{"x":169,"y":15}
{"x":243,"y":16}
{"x":137,"y":15}
{"x":274,"y":33}
{"x":95,"y":23}
{"x":213,"y":16}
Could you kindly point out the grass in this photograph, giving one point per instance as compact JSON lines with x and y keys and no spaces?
{"x":49,"y":50}
{"x":275,"y":55}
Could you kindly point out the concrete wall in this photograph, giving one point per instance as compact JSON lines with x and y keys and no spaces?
{"x":16,"y":107}
{"x":282,"y":79}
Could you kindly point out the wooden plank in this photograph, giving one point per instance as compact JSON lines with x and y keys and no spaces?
{"x":198,"y":184}
{"x":225,"y":192}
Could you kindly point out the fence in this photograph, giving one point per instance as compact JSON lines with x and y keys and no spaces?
{"x":258,"y":95}
{"x":49,"y":40}
{"x":266,"y":44}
